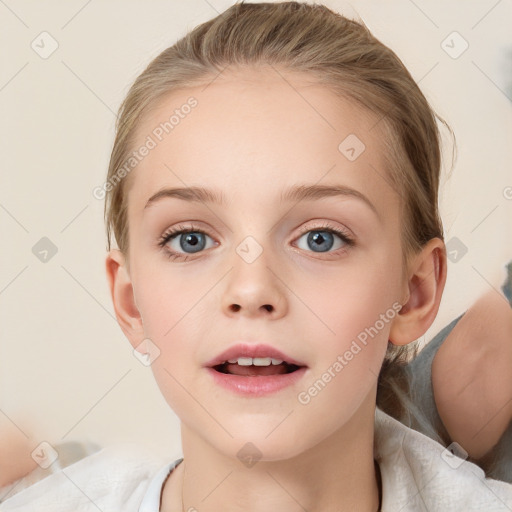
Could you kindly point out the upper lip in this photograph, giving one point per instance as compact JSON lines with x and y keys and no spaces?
{"x":247,"y":350}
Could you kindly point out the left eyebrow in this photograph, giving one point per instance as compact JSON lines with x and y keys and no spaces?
{"x":302,"y":192}
{"x":306,"y":192}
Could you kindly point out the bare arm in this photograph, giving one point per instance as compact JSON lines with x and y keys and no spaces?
{"x":472,"y":375}
{"x":15,"y":450}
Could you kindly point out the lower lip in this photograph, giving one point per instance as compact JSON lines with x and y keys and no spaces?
{"x":256,"y":385}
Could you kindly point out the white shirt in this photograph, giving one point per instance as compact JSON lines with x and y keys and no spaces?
{"x":418,"y":474}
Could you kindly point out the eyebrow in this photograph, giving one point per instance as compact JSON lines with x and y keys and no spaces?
{"x":314,"y":192}
{"x":302,"y":192}
{"x":191,"y":194}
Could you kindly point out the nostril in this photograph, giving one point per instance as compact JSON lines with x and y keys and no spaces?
{"x":236,"y":307}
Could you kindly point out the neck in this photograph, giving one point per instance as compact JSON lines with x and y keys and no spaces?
{"x":337,"y":474}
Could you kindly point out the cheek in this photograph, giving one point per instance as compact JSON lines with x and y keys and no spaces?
{"x":356,"y":323}
{"x":166,"y":299}
{"x":352,"y":299}
{"x":353,"y":317}
{"x":173,"y":312}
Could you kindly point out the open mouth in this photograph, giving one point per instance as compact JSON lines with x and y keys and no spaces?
{"x":255,"y":371}
{"x":261,"y":368}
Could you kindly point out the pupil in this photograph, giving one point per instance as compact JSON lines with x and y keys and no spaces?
{"x":193,"y":240}
{"x":189,"y":237}
{"x":320,"y":236}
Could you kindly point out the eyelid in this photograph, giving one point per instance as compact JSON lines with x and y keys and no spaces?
{"x":343,"y":233}
{"x":302,"y":230}
{"x":328,"y":226}
{"x":180,"y":229}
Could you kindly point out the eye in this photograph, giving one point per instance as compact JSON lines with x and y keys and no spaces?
{"x":188,"y":239}
{"x":323,"y":238}
{"x":180,"y":241}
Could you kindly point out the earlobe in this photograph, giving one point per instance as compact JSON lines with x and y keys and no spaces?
{"x":123,"y":299}
{"x":427,"y":277}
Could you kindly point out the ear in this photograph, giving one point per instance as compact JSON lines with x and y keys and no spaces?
{"x":123,"y":298}
{"x":424,"y":288}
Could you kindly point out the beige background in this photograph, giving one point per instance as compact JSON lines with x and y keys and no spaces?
{"x":65,"y":366}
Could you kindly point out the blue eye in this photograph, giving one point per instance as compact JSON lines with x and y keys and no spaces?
{"x":323,"y":239}
{"x":180,"y":241}
{"x":193,"y":240}
{"x":189,"y":240}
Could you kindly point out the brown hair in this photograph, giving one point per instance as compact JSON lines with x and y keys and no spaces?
{"x":334,"y":51}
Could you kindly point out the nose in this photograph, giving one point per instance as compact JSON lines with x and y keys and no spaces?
{"x":254,"y":289}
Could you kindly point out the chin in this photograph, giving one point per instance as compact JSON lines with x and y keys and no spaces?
{"x":256,"y":448}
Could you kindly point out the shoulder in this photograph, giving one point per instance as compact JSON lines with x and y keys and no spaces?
{"x":113,"y":478}
{"x":420,"y":474}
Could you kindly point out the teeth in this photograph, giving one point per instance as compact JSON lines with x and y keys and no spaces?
{"x":256,"y":361}
{"x":261,"y":361}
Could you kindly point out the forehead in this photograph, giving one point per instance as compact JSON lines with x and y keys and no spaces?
{"x":255,"y":131}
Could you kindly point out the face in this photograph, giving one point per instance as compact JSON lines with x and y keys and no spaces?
{"x":317,"y":277}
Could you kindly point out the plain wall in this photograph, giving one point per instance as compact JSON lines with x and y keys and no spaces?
{"x":65,"y":366}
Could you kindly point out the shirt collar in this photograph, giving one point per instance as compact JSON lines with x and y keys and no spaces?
{"x":417,"y":473}
{"x":153,"y":497}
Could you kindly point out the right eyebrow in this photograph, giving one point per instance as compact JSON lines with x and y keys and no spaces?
{"x":193,"y":194}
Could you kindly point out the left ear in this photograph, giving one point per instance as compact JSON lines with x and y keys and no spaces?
{"x":425,"y":285}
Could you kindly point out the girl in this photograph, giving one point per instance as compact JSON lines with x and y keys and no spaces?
{"x":273,"y":194}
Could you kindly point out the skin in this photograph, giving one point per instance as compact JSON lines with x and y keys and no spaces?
{"x":15,"y":449}
{"x":252,"y":136}
{"x":472,"y":381}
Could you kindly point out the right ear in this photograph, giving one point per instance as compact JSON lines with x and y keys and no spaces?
{"x":123,"y":299}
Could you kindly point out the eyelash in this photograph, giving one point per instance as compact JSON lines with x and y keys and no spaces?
{"x":181,"y":229}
